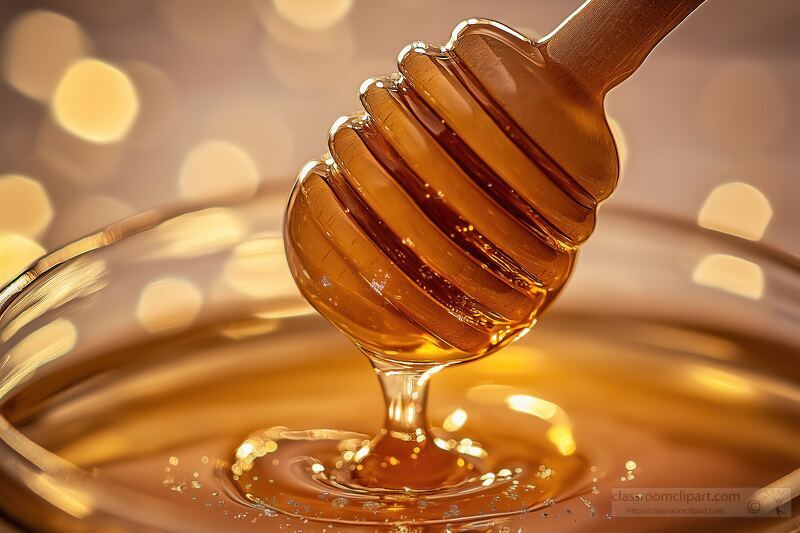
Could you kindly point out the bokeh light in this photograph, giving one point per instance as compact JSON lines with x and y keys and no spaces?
{"x":736,"y":209}
{"x":168,"y":304}
{"x":297,"y":55}
{"x":24,"y":206}
{"x":730,"y":274}
{"x":95,"y":101}
{"x":38,"y":48}
{"x":200,"y":233}
{"x":16,"y":253}
{"x":258,"y":269}
{"x":455,"y":420}
{"x":313,"y":14}
{"x":216,"y":170}
{"x":252,"y":124}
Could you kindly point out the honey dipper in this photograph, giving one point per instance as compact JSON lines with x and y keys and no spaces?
{"x":447,"y":217}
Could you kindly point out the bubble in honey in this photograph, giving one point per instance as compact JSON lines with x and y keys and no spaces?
{"x":736,"y":209}
{"x":209,"y":26}
{"x":313,"y":14}
{"x":730,"y":274}
{"x":167,"y":304}
{"x":95,"y":101}
{"x":24,"y":206}
{"x":258,"y":269}
{"x":38,"y":48}
{"x":215,"y":170}
{"x":630,"y":465}
{"x":16,"y":253}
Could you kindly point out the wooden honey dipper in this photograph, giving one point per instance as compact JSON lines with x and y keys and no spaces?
{"x":447,"y":217}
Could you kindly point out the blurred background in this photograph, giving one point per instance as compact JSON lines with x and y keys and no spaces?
{"x":113,"y":107}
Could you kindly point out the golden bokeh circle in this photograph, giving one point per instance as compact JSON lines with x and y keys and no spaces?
{"x":25,"y":207}
{"x":95,"y":101}
{"x":38,"y":48}
{"x":16,"y":253}
{"x":216,"y":170}
{"x":168,"y":304}
{"x":313,"y":14}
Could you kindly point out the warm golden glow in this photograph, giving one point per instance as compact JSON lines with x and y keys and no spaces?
{"x":313,"y":14}
{"x":720,"y":381}
{"x":731,"y":274}
{"x":258,"y":269}
{"x":72,"y":281}
{"x":736,"y":209}
{"x":95,"y":101}
{"x":215,"y":170}
{"x":249,"y":328}
{"x":620,"y":141}
{"x":199,"y":233}
{"x":245,"y":449}
{"x":455,"y":420}
{"x":524,"y":403}
{"x":168,"y":303}
{"x":38,"y":48}
{"x":24,"y":206}
{"x":38,"y":348}
{"x":69,"y":499}
{"x":16,"y":253}
{"x":561,"y":437}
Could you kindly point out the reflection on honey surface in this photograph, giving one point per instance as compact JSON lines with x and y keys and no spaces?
{"x":592,"y":399}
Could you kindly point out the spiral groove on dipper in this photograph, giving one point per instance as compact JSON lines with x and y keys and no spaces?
{"x":438,"y":227}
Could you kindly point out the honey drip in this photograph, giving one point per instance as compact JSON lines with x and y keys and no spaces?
{"x":447,"y":216}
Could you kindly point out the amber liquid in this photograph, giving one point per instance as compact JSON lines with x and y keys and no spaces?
{"x":446,"y":218}
{"x":168,"y":428}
